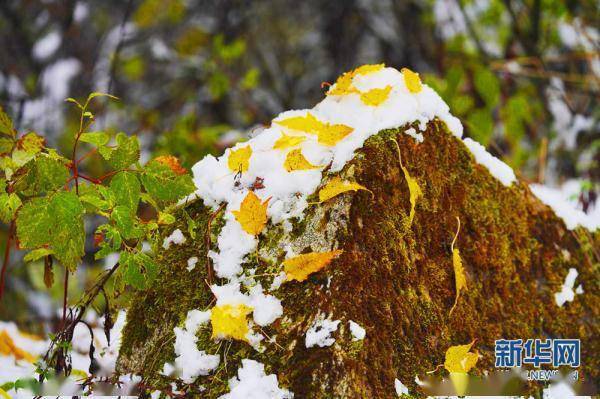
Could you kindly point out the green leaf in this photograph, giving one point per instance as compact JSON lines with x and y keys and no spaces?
{"x":149,"y":264}
{"x":6,"y":145}
{"x":127,"y":189}
{"x":44,"y":175}
{"x":32,"y":143}
{"x":126,"y":223}
{"x":68,"y":233}
{"x":165,"y":185}
{"x":9,"y":203}
{"x":96,"y":138}
{"x":6,"y":125}
{"x":90,"y":196}
{"x":126,"y":153}
{"x":165,"y":218}
{"x":481,"y":125}
{"x":99,"y":94}
{"x":131,"y":270}
{"x":37,"y":254}
{"x":34,"y":223}
{"x":487,"y":85}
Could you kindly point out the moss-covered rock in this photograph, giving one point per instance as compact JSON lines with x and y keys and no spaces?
{"x":394,"y":279}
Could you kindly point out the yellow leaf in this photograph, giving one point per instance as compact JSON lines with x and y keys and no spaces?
{"x":369,"y":68}
{"x":239,"y":160}
{"x":459,"y":359}
{"x":301,"y":266}
{"x":286,"y":141}
{"x":374,"y":97}
{"x":459,"y":270}
{"x":413,"y":187}
{"x":252,"y":214}
{"x":229,"y":321}
{"x":296,"y":161}
{"x":308,"y":123}
{"x":330,"y":134}
{"x":337,"y":186}
{"x":8,"y":347}
{"x":343,"y":85}
{"x":412,"y":80}
{"x":4,"y":394}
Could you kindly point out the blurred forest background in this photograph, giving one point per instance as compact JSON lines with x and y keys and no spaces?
{"x":194,"y":76}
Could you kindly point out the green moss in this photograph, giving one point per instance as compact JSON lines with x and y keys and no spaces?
{"x":395,"y":280}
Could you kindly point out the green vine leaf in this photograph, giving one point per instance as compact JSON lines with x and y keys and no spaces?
{"x":96,"y":138}
{"x":127,"y":189}
{"x":126,"y":153}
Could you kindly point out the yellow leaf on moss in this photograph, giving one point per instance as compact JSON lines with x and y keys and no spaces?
{"x":8,"y":347}
{"x":308,"y":123}
{"x":368,"y":68}
{"x":252,"y":214}
{"x":286,"y":141}
{"x":337,"y":186}
{"x":4,"y":394}
{"x":459,"y":359}
{"x":296,"y":161}
{"x":459,"y":270}
{"x":414,"y":192}
{"x":229,"y":321}
{"x":412,"y":80}
{"x":331,"y":134}
{"x":375,"y":97}
{"x":301,"y":266}
{"x":239,"y":160}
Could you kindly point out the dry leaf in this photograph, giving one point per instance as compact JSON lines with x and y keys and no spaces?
{"x":296,"y":161}
{"x":374,"y":97}
{"x":459,"y":359}
{"x":252,"y":214}
{"x":173,"y":164}
{"x":239,"y":160}
{"x":459,"y":270}
{"x":413,"y":187}
{"x":412,"y":80}
{"x":286,"y":141}
{"x":8,"y":347}
{"x":229,"y":321}
{"x":330,"y":134}
{"x":307,"y":123}
{"x":301,"y":266}
{"x":337,"y":186}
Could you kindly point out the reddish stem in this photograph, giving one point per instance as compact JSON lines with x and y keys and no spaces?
{"x":6,"y":257}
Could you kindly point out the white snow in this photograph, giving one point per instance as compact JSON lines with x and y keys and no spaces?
{"x":176,"y":238}
{"x":564,"y":209}
{"x":567,"y":294}
{"x":413,"y":133}
{"x":266,"y":308}
{"x":496,"y":167}
{"x":561,"y":390}
{"x":358,"y":333}
{"x":319,"y":333}
{"x":191,"y":362}
{"x":191,"y":263}
{"x":252,"y":383}
{"x":47,"y":45}
{"x":401,"y":389}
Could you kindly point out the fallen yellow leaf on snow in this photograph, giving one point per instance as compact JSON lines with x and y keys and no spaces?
{"x":8,"y":347}
{"x":308,"y":123}
{"x":229,"y":321}
{"x":330,"y":134}
{"x":252,"y":214}
{"x":337,"y":186}
{"x":459,"y":270}
{"x":301,"y":266}
{"x":375,"y":97}
{"x":239,"y":160}
{"x":368,"y":68}
{"x":458,"y":362}
{"x":296,"y":161}
{"x":412,"y":80}
{"x":286,"y":141}
{"x":343,"y":84}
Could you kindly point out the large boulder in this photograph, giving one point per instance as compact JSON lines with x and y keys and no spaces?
{"x":395,"y":278}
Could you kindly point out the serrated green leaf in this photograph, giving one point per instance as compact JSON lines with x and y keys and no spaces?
{"x":9,"y":203}
{"x":32,"y":143}
{"x":34,"y":223}
{"x":45,"y":174}
{"x":106,"y":152}
{"x":96,"y":138}
{"x":126,"y":222}
{"x":165,"y":185}
{"x":37,"y":254}
{"x":149,"y":264}
{"x":126,"y":153}
{"x":6,"y":145}
{"x":6,"y":125}
{"x":68,"y":233}
{"x":131,"y":270}
{"x":127,"y":189}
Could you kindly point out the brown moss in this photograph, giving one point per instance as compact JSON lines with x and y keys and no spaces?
{"x":395,"y":280}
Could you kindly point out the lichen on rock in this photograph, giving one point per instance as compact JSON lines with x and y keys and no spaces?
{"x":392,"y":277}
